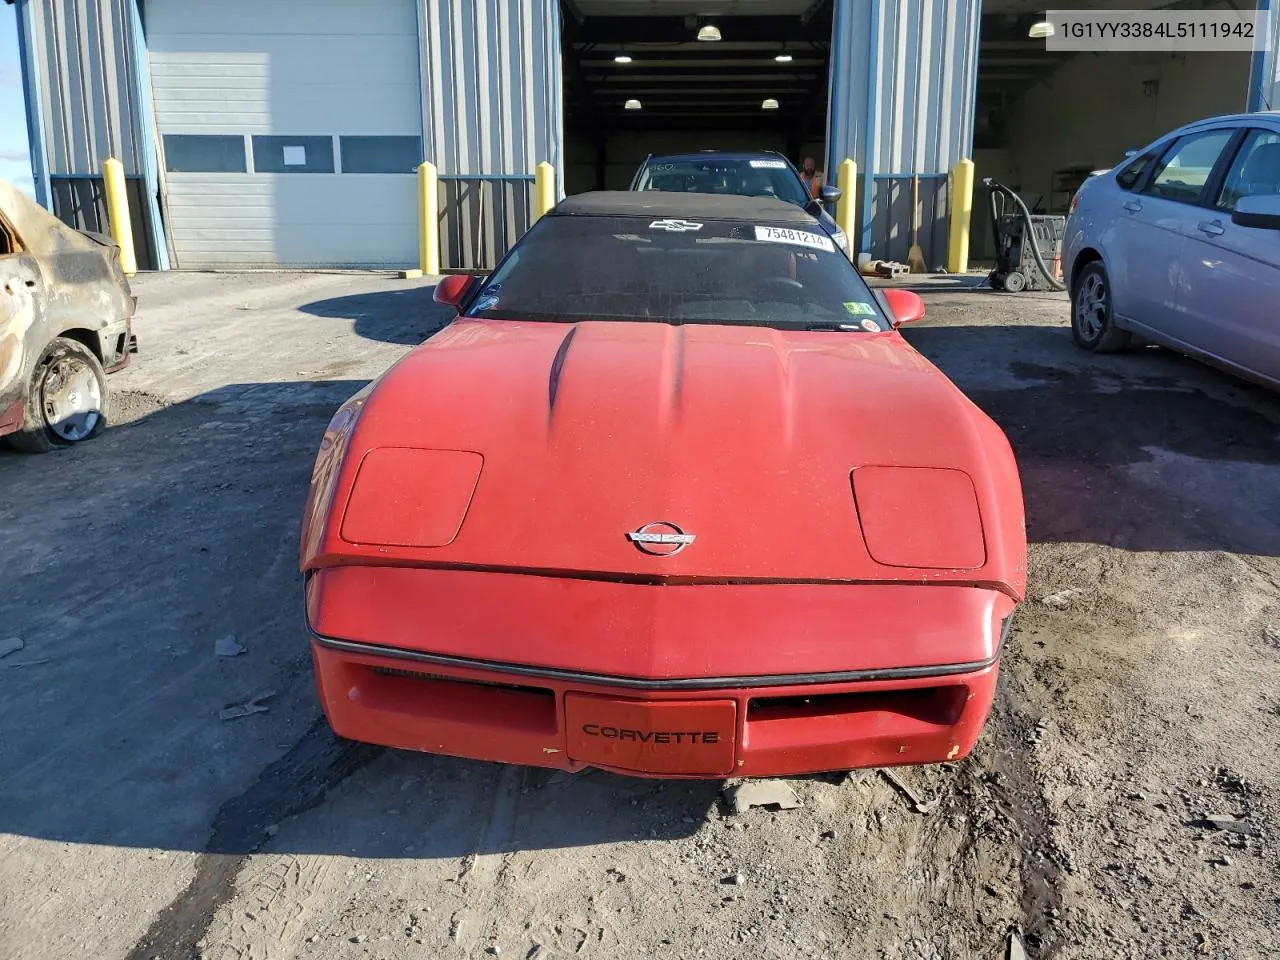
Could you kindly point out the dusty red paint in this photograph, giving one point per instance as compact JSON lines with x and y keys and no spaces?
{"x":857,"y":549}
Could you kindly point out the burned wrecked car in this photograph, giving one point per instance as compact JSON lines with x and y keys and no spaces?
{"x":65,"y":322}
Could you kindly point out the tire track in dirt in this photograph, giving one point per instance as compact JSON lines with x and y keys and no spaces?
{"x":296,"y":782}
{"x":1029,"y":812}
{"x":484,"y":870}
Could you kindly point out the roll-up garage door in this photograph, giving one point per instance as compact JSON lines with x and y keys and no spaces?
{"x":289,"y":130}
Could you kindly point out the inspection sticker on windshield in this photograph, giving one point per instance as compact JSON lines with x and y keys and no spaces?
{"x":859,"y":308}
{"x":799,"y":238}
{"x":768,"y":164}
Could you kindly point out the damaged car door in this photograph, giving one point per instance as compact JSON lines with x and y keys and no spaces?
{"x":21,"y":306}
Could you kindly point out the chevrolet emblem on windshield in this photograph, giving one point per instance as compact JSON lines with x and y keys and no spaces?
{"x":660,"y":538}
{"x":675,"y":226}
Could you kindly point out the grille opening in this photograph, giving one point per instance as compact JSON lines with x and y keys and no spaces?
{"x":479,"y":702}
{"x":423,"y":675}
{"x":940,"y":706}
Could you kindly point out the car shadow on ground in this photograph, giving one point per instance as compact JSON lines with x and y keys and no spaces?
{"x":133,"y":555}
{"x":406,"y":316}
{"x":1141,"y":450}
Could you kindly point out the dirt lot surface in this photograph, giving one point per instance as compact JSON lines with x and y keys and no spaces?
{"x":1140,"y":694}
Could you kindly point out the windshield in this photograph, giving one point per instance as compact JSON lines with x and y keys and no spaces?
{"x":570,"y":268}
{"x":758,"y":177}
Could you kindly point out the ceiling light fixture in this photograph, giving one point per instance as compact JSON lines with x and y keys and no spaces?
{"x":783,"y":56}
{"x":709,"y":33}
{"x":622,"y":57}
{"x":1040,"y":30}
{"x":769,"y":104}
{"x":631,"y":105}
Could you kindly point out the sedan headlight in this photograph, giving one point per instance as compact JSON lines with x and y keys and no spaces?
{"x":841,"y":240}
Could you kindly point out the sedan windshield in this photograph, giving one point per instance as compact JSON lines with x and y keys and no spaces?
{"x":571,"y":268}
{"x":758,"y":177}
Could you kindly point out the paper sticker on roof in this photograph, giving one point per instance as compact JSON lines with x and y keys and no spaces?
{"x":797,"y":238}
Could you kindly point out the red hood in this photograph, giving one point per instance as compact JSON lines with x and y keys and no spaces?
{"x":744,"y":437}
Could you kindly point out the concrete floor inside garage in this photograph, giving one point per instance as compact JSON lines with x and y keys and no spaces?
{"x":692,"y":94}
{"x":1139,"y":695}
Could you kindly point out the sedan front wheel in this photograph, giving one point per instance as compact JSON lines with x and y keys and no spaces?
{"x":1093,"y":324}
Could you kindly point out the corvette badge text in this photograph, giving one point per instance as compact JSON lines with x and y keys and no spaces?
{"x":651,"y":736}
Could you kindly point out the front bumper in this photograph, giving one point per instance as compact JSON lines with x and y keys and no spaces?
{"x":116,"y":343}
{"x":379,"y":696}
{"x":378,"y":686}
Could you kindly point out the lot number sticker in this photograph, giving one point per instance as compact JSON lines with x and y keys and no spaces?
{"x":769,"y":164}
{"x":799,"y":238}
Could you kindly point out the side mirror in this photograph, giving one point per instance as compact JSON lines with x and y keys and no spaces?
{"x":830,"y":194}
{"x":452,"y":289}
{"x":904,"y":306}
{"x":1261,"y":210}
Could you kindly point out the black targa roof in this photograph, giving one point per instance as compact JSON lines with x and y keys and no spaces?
{"x":704,"y":206}
{"x":716,"y":156}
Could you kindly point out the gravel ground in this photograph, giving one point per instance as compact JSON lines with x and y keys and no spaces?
{"x":1140,"y":696}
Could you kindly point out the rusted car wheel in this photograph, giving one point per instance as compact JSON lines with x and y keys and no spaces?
{"x":66,"y":398}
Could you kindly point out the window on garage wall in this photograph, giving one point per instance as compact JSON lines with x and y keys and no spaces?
{"x":203,"y":153}
{"x":275,"y":154}
{"x":380,"y":154}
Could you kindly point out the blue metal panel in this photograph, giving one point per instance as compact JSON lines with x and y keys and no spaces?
{"x":869,"y":131}
{"x":1264,"y":69}
{"x":35,"y":110}
{"x":903,"y":86}
{"x":491,"y":85}
{"x":146,"y":138}
{"x":80,"y":56}
{"x":492,"y":112}
{"x":487,"y":178}
{"x":971,"y":51}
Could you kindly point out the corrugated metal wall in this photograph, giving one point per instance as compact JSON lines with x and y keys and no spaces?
{"x":492,"y":94}
{"x":83,"y":58}
{"x":902,"y":99}
{"x":82,"y":70}
{"x":924,"y":109}
{"x":491,"y":75}
{"x":1264,"y":83}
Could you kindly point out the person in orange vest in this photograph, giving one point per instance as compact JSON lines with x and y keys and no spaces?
{"x":810,"y":177}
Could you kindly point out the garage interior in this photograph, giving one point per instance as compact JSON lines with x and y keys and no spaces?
{"x":638,"y":80}
{"x":1044,"y":119}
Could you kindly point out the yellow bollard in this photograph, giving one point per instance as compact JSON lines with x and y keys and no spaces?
{"x":544,"y":189}
{"x":847,"y":181}
{"x":961,"y":216}
{"x":428,"y":219}
{"x":118,"y":214}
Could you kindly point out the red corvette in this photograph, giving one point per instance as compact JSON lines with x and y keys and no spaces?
{"x":670,"y":497}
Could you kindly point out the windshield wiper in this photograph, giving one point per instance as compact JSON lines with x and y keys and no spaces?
{"x":835,"y":327}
